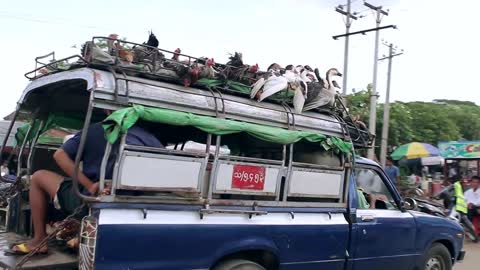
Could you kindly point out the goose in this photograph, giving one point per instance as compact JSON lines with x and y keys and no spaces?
{"x":299,"y":98}
{"x":326,"y":96}
{"x":316,"y":87}
{"x":336,"y":86}
{"x":310,"y":73}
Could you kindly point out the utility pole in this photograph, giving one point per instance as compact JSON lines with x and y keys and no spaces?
{"x":386,"y":108}
{"x":348,"y":22}
{"x":373,"y":95}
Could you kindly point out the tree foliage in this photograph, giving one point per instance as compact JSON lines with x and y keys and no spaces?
{"x":430,"y":122}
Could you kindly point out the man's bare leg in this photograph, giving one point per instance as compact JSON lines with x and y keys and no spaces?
{"x":43,"y":186}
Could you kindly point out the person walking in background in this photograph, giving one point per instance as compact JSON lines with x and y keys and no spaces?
{"x":452,"y":172}
{"x":392,"y":171}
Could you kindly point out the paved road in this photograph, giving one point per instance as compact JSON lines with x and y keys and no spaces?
{"x":472,"y":259}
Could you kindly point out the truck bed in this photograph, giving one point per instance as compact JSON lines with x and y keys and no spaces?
{"x":57,"y":258}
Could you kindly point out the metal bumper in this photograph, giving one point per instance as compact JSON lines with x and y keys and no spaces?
{"x":461,"y":255}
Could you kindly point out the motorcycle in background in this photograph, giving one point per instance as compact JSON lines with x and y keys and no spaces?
{"x":447,"y":210}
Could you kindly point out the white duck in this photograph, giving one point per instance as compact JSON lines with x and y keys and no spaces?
{"x":297,"y":82}
{"x":326,"y":95}
{"x":273,"y":85}
{"x":272,"y":82}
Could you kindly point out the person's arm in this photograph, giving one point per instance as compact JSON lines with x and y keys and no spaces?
{"x":68,"y":166}
{"x":373,"y":200}
{"x":362,"y":202}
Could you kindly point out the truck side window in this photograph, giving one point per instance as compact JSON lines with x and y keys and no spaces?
{"x":373,"y":188}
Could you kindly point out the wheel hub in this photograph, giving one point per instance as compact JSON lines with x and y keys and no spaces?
{"x":434,"y":264}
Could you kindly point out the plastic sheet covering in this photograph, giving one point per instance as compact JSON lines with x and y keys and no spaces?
{"x":120,"y":121}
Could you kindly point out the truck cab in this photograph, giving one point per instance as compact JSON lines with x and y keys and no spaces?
{"x":390,"y":235}
{"x":239,"y":184}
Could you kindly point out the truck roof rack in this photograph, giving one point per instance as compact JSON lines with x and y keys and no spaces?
{"x":149,"y":66}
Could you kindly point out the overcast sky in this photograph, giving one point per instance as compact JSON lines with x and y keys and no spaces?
{"x":439,"y":38}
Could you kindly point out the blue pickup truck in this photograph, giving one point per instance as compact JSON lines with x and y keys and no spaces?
{"x":378,"y":234}
{"x":239,"y":185}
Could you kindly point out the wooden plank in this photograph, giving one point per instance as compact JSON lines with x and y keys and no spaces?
{"x":55,"y":259}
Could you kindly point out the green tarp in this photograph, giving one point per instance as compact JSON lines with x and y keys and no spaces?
{"x":245,"y":89}
{"x":120,"y":121}
{"x":53,"y":121}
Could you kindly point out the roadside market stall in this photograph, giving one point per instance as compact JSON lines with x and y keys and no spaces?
{"x":415,"y":156}
{"x":461,"y":158}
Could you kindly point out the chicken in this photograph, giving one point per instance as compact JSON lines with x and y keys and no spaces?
{"x":174,"y":62}
{"x":236,"y":70}
{"x":192,"y":75}
{"x":126,"y":55}
{"x":111,"y":46}
{"x":254,"y":68}
{"x":176,"y":54}
{"x":173,"y":68}
{"x":245,"y":74}
{"x":249,"y":74}
{"x":152,"y":40}
{"x":236,"y":60}
{"x":149,"y":55}
{"x":207,"y":70}
{"x":116,"y":49}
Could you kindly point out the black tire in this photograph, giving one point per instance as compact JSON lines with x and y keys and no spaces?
{"x":437,"y":258}
{"x":238,"y":265}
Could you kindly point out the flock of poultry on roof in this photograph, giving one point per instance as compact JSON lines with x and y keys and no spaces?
{"x":305,"y":84}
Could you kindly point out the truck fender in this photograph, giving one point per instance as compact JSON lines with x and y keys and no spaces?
{"x":230,"y":248}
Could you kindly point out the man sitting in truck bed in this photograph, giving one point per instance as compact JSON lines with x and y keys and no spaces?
{"x":60,"y":189}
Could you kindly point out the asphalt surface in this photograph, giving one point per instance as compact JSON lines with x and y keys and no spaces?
{"x":472,"y":259}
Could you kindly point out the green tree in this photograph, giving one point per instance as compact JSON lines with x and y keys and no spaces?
{"x":431,"y":122}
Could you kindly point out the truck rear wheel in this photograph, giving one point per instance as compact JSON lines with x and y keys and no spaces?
{"x":437,"y":258}
{"x":238,"y":265}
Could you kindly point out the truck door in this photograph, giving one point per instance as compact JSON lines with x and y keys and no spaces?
{"x":385,"y":236}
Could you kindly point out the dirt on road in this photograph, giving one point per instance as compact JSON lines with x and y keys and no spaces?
{"x":472,"y":259}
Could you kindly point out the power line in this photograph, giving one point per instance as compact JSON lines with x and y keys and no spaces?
{"x":36,"y":20}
